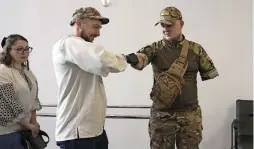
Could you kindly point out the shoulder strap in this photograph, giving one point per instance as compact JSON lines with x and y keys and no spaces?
{"x":180,"y":65}
{"x":43,"y":133}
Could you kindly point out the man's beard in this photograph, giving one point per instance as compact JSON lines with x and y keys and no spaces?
{"x":86,"y":39}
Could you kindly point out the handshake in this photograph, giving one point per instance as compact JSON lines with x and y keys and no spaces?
{"x":132,"y":59}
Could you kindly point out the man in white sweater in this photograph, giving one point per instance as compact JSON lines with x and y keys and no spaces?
{"x":79,"y":67}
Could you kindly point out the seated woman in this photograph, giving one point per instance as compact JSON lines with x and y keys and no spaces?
{"x":18,"y":93}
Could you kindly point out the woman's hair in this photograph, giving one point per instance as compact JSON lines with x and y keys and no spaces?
{"x":7,"y":42}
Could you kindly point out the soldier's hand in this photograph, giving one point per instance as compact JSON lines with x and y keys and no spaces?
{"x":132,"y":59}
{"x":140,"y":56}
{"x":140,"y":61}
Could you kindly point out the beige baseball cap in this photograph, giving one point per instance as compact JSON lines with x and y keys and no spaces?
{"x":88,"y":12}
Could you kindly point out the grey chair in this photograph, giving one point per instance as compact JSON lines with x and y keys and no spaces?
{"x":242,"y":126}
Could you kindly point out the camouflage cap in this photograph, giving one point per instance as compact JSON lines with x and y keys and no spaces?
{"x":88,"y":12}
{"x":169,"y":15}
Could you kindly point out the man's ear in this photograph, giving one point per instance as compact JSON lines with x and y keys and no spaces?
{"x":182,"y":23}
{"x":78,"y":22}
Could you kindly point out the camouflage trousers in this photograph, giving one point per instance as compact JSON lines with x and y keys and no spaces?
{"x":183,"y":129}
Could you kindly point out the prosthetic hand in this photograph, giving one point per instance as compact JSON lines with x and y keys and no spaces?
{"x":132,"y":59}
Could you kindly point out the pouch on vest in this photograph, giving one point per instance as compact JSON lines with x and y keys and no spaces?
{"x":168,"y":85}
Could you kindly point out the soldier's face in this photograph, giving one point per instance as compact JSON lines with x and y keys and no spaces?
{"x":173,"y":31}
{"x":90,"y":29}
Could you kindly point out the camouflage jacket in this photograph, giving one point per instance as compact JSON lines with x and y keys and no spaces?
{"x":161,"y":55}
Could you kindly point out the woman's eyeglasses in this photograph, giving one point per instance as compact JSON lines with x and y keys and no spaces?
{"x":22,"y":50}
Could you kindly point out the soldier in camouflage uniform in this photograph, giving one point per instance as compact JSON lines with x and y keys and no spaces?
{"x":180,"y":125}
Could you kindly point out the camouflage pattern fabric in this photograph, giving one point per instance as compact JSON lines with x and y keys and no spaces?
{"x":88,"y":12}
{"x":207,"y":68}
{"x":150,"y":50}
{"x":161,"y":55}
{"x":168,"y":85}
{"x":166,"y":89}
{"x":206,"y":63}
{"x":183,"y":129}
{"x":181,"y":124}
{"x":169,"y":16}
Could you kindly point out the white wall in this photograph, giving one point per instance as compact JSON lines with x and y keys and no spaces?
{"x":223,"y":27}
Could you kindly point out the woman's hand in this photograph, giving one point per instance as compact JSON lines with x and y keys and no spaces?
{"x":34,"y":129}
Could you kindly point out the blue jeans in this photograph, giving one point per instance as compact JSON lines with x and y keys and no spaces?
{"x":11,"y":141}
{"x":99,"y":142}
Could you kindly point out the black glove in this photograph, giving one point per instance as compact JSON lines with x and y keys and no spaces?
{"x":132,"y":59}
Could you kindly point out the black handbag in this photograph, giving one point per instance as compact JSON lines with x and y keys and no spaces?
{"x":37,"y":142}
